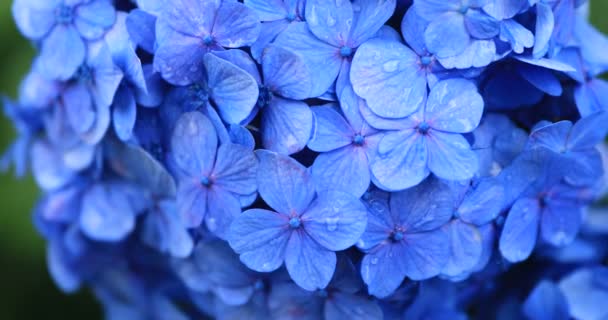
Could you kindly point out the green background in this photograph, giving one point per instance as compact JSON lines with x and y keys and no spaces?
{"x":26,"y":291}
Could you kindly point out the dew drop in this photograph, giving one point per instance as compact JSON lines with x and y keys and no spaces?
{"x":212,"y":224}
{"x":391,"y":66}
{"x":332,"y":223}
{"x":331,"y":21}
{"x":374,"y":261}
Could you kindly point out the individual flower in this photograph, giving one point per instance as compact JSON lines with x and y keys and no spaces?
{"x":331,"y":35}
{"x":430,"y":140}
{"x":404,"y":236}
{"x":347,"y":144}
{"x":276,"y":16}
{"x":460,"y":30}
{"x":305,"y":229}
{"x":286,"y":123}
{"x":63,"y":28}
{"x":188,"y":29}
{"x":213,"y":179}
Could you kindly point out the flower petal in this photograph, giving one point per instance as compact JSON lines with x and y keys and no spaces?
{"x":335,"y":220}
{"x":546,"y":302}
{"x":285,"y":73}
{"x":236,"y":169}
{"x":425,"y":254}
{"x":62,"y":53}
{"x":451,"y":157}
{"x":260,"y":237}
{"x":560,"y":223}
{"x":268,"y":10}
{"x":286,"y":125}
{"x":465,"y":248}
{"x":454,"y":106}
{"x":34,"y":22}
{"x":235,"y":25}
{"x":387,"y":75}
{"x":518,"y":236}
{"x":345,"y":169}
{"x":194,"y":144}
{"x":93,"y":18}
{"x":382,"y":270}
{"x":330,"y":21}
{"x":163,"y":231}
{"x":222,"y":207}
{"x":350,"y":306}
{"x":124,"y":113}
{"x":447,"y":35}
{"x":370,"y":16}
{"x":331,"y":130}
{"x":310,"y":265}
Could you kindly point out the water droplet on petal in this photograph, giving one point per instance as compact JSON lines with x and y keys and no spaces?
{"x":331,"y":21}
{"x":332,"y":223}
{"x":391,"y":66}
{"x":374,"y":261}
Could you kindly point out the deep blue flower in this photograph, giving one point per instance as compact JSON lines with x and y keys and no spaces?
{"x":330,"y":36}
{"x":63,"y":28}
{"x":404,"y":237}
{"x":459,"y":30}
{"x":188,"y":29}
{"x":275,"y":16}
{"x":430,"y":140}
{"x":347,"y":144}
{"x":214,"y":181}
{"x":304,"y":231}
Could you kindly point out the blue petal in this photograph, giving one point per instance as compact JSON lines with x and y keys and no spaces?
{"x":552,"y":136}
{"x":425,"y":254}
{"x":191,"y":203}
{"x":381,"y":222}
{"x":505,"y":9}
{"x":235,"y":25}
{"x":330,"y":21}
{"x":465,"y":248}
{"x":141,"y":27}
{"x":322,"y":60}
{"x":233,"y":90}
{"x":155,"y":89}
{"x":387,"y":75}
{"x":481,"y":25}
{"x":517,"y":35}
{"x":588,"y":132}
{"x":331,"y":130}
{"x":424,"y":207}
{"x":560,"y":223}
{"x":310,"y":265}
{"x":335,"y":220}
{"x":584,"y":292}
{"x":260,"y":237}
{"x":179,"y":57}
{"x":447,"y":35}
{"x":124,"y":113}
{"x":412,"y":27}
{"x":433,"y":9}
{"x":541,"y":78}
{"x":450,"y":156}
{"x":79,"y":107}
{"x":454,"y":106}
{"x":163,"y":231}
{"x":345,"y":169}
{"x":349,"y":306}
{"x":482,"y":204}
{"x":63,"y":275}
{"x":190,"y":17}
{"x":222,"y":207}
{"x":34,"y":21}
{"x":236,"y":169}
{"x":283,"y":183}
{"x":268,"y":33}
{"x":285,"y":73}
{"x":478,"y":53}
{"x":382,"y":269}
{"x":241,"y":135}
{"x":268,"y":10}
{"x":194,"y":144}
{"x":106,"y":75}
{"x":93,"y":18}
{"x":404,"y":164}
{"x":590,"y":97}
{"x":242,"y":60}
{"x":518,"y":236}
{"x":546,"y":302}
{"x":370,"y":16}
{"x":48,"y":168}
{"x":545,"y":22}
{"x":108,"y":213}
{"x":286,"y":125}
{"x":62,"y":53}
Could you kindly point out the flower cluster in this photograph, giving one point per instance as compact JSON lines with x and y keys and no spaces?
{"x":318,"y":159}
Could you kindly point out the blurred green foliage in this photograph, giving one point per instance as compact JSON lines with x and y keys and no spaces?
{"x":27,"y":291}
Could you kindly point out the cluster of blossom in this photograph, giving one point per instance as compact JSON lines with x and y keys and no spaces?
{"x":318,"y":159}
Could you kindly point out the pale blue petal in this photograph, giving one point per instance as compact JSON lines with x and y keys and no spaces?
{"x":309,"y":265}
{"x":124,"y":113}
{"x":588,"y":132}
{"x":285,"y":73}
{"x":236,"y":169}
{"x":345,"y":169}
{"x":268,"y":10}
{"x":370,"y":16}
{"x":283,"y":183}
{"x":194,"y":144}
{"x":330,"y":21}
{"x":481,"y":25}
{"x":433,"y":9}
{"x":517,"y":35}
{"x":545,"y":22}
{"x":387,"y":75}
{"x":235,"y":25}
{"x":450,"y":156}
{"x":191,"y":202}
{"x":553,"y":136}
{"x":465,"y":248}
{"x":62,"y":53}
{"x":141,"y":27}
{"x":48,"y":169}
{"x":192,"y":18}
{"x":34,"y":22}
{"x":222,"y":207}
{"x":163,"y":231}
{"x":518,"y":236}
{"x":447,"y":35}
{"x":331,"y":130}
{"x":260,"y":237}
{"x":286,"y":125}
{"x":79,"y":107}
{"x":412,"y":27}
{"x":269,"y":32}
{"x":382,"y":269}
{"x":93,"y":18}
{"x":335,"y":220}
{"x":478,"y":53}
{"x":454,"y":106}
{"x":482,"y":204}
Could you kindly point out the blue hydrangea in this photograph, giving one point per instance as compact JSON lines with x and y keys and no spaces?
{"x":292,"y":159}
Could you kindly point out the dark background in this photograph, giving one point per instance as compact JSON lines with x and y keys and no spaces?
{"x":26,"y":290}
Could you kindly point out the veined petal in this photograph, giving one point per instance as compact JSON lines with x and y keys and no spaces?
{"x":194,"y":144}
{"x":286,"y":125}
{"x":268,"y":10}
{"x":191,"y":202}
{"x":465,"y":248}
{"x":560,"y":222}
{"x":425,"y":254}
{"x":450,"y":156}
{"x":310,"y":265}
{"x":454,"y":106}
{"x":447,"y":36}
{"x":382,"y":269}
{"x":235,"y":169}
{"x":179,"y":57}
{"x":222,"y":208}
{"x":518,"y":236}
{"x":369,"y":16}
{"x":62,"y":53}
{"x":331,"y":130}
{"x":285,"y":73}
{"x":330,"y":21}
{"x":235,"y":25}
{"x":345,"y":169}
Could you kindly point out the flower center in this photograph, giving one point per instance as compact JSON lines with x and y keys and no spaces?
{"x":208,"y":40}
{"x":264,"y":97}
{"x":426,"y":60}
{"x":64,"y":14}
{"x":359,"y":140}
{"x":423,"y":128}
{"x":295,"y":222}
{"x":205,"y":182}
{"x":397,"y":236}
{"x":346,"y":51}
